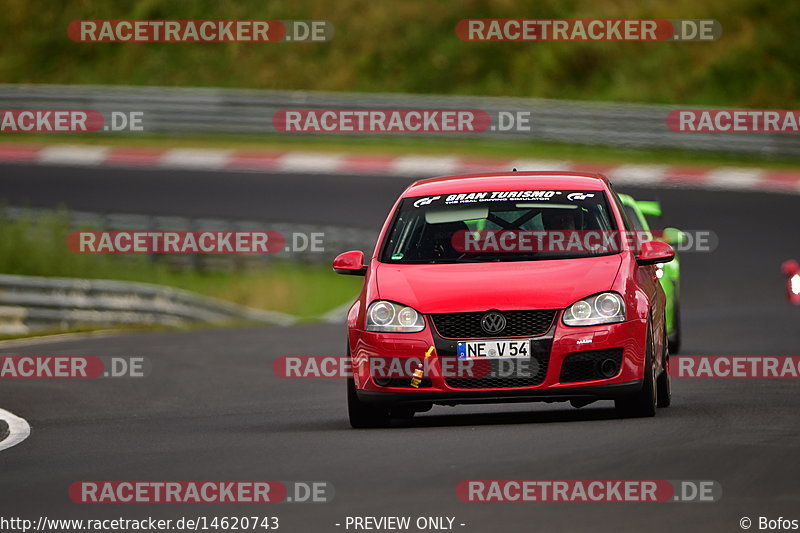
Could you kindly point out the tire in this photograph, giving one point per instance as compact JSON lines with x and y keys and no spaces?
{"x":643,"y":403}
{"x":364,"y":415}
{"x":664,"y":381}
{"x":675,"y":338}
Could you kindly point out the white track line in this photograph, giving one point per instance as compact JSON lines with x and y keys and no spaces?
{"x":310,"y":162}
{"x":18,"y":429}
{"x":191,"y":158}
{"x":732,"y":178}
{"x":62,"y":154}
{"x":414,"y":166}
{"x":62,"y":337}
{"x":638,"y":174}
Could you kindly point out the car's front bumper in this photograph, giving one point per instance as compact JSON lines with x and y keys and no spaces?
{"x":551,"y":349}
{"x":425,"y":396}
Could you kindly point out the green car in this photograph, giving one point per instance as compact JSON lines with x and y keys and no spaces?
{"x":668,"y":273}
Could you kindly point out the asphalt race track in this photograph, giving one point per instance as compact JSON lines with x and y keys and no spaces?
{"x":212,"y":409}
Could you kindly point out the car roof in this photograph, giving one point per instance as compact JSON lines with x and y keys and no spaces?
{"x":508,"y":181}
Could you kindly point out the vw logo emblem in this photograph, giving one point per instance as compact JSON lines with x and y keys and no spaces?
{"x":493,"y":322}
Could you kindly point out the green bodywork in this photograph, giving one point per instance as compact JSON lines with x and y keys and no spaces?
{"x":669,"y":273}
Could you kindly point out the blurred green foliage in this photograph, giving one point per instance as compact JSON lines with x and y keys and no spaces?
{"x":411,"y":46}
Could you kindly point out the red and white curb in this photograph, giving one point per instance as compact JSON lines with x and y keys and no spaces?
{"x":18,"y":429}
{"x":731,"y":178}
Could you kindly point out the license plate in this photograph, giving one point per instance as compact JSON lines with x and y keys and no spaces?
{"x":506,"y":349}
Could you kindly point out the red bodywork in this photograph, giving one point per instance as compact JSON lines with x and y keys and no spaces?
{"x":791,"y":269}
{"x":509,"y":286}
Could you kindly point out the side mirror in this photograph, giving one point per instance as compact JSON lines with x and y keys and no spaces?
{"x":674,"y":236}
{"x":350,"y":263}
{"x":649,"y":208}
{"x":653,"y":252}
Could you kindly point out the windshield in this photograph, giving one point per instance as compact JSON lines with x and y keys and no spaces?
{"x":470,"y":227}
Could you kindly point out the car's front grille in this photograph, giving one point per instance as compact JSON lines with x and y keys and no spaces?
{"x":502,"y":374}
{"x":518,"y":324}
{"x":588,"y":365}
{"x":498,"y":373}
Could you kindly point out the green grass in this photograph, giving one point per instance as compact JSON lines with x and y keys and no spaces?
{"x":511,"y":149}
{"x":411,"y":46}
{"x":37,"y":247}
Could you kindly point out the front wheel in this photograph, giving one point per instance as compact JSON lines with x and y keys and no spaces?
{"x":675,"y":338}
{"x":664,"y":381}
{"x":364,"y":415}
{"x":642,"y":403}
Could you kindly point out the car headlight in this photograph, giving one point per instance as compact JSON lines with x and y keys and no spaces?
{"x":604,"y":308}
{"x":392,"y":317}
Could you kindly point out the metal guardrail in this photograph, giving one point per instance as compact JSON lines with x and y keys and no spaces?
{"x":206,"y":110}
{"x":28,"y":303}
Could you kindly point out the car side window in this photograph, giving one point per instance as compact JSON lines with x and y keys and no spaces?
{"x":621,"y":208}
{"x":629,"y":227}
{"x":634,"y":218}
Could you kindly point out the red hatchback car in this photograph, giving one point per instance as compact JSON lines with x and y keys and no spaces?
{"x":462,"y":304}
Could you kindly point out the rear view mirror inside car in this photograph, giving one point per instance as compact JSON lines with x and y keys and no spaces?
{"x":444,"y":216}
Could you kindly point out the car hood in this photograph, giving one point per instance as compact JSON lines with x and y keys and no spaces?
{"x":449,"y":288}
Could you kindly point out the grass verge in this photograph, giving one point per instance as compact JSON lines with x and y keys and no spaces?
{"x":37,"y":247}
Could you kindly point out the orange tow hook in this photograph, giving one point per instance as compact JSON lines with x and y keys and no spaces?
{"x":419,"y":372}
